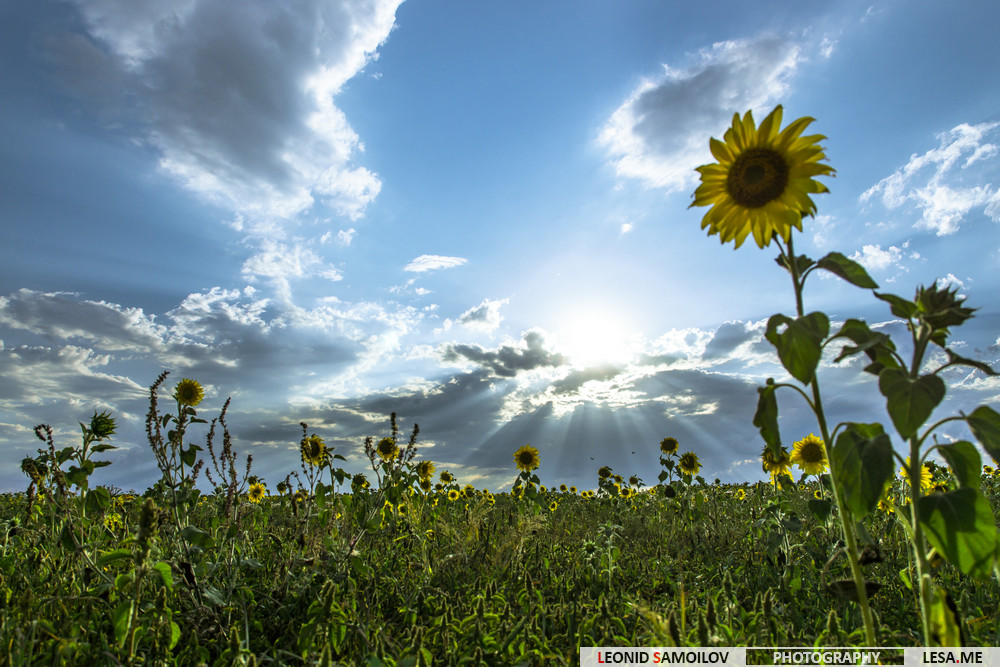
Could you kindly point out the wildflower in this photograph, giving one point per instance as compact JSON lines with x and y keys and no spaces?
{"x":425,"y":470}
{"x":188,"y":392}
{"x":446,"y":477}
{"x":526,"y":458}
{"x":689,"y":463}
{"x":775,"y":465}
{"x":314,"y":451}
{"x":741,"y":494}
{"x":668,"y":446}
{"x":886,"y":506}
{"x":102,"y":425}
{"x":809,"y":454}
{"x":429,"y":533}
{"x":113,"y":521}
{"x":817,"y":494}
{"x":257,"y":492}
{"x":926,"y":480}
{"x":299,"y":496}
{"x":762,"y":180}
{"x":454,"y":495}
{"x":387,"y":449}
{"x":988,"y":470}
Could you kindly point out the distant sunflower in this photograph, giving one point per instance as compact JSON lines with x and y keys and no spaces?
{"x":553,"y":506}
{"x":425,"y":470}
{"x":741,"y":494}
{"x":668,"y":446}
{"x":572,"y":490}
{"x":257,"y":492}
{"x":604,"y":472}
{"x":314,"y":451}
{"x":188,"y":392}
{"x":454,"y":495}
{"x":762,"y":180}
{"x":775,"y":464}
{"x":387,"y":449}
{"x":446,"y":477}
{"x":689,"y":463}
{"x":809,"y":453}
{"x":563,"y":488}
{"x":926,"y":479}
{"x":526,"y":458}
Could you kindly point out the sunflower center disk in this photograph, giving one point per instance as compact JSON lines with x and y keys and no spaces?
{"x":758,"y":176}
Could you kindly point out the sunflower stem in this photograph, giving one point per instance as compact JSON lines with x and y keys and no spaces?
{"x":850,"y":537}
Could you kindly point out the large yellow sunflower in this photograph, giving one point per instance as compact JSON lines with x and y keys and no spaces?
{"x":387,"y":449}
{"x":762,"y":180}
{"x":257,"y":492}
{"x":809,"y":454}
{"x":425,"y":470}
{"x":689,"y":463}
{"x":668,"y":446}
{"x":526,"y":458}
{"x":926,"y":478}
{"x":314,"y":451}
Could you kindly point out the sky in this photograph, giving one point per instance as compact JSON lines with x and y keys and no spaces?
{"x":473,"y":214}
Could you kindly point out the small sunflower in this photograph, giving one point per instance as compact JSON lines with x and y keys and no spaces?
{"x":188,"y":392}
{"x":762,"y":180}
{"x":689,"y":463}
{"x":633,"y":480}
{"x":926,"y":479}
{"x":775,"y":465}
{"x":526,"y":458}
{"x":817,"y":494}
{"x":668,"y":446}
{"x":604,"y":472}
{"x":809,"y":454}
{"x":257,"y":492}
{"x":359,"y":483}
{"x":426,"y":485}
{"x":741,"y":494}
{"x":425,"y":470}
{"x":387,"y":449}
{"x":454,"y":495}
{"x":553,"y":506}
{"x":102,"y":425}
{"x":314,"y":451}
{"x":563,"y":488}
{"x":572,"y":490}
{"x":446,"y":477}
{"x":886,"y":506}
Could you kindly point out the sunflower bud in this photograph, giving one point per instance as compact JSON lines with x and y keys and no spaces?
{"x":102,"y":425}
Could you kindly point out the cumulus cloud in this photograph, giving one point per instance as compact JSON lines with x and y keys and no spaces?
{"x":238,"y":99}
{"x":426,"y":263}
{"x":933,"y":182}
{"x":484,"y":317}
{"x":660,"y":133}
{"x":510,"y":359}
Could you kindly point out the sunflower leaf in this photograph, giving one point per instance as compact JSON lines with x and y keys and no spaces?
{"x":800,"y":345}
{"x":862,"y":459}
{"x":766,"y":418}
{"x":958,"y":360}
{"x":960,"y":526}
{"x":899,"y":306}
{"x":910,"y":401}
{"x":964,"y":461}
{"x":848,"y":269}
{"x":984,"y":422}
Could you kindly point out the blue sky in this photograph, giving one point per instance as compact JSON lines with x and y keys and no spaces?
{"x":473,"y":214}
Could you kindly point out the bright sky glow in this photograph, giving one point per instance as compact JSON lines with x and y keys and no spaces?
{"x":473,"y":214}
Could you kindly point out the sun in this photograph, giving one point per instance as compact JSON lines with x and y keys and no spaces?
{"x":597,"y":336}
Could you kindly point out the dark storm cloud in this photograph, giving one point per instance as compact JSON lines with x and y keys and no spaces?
{"x":507,"y":360}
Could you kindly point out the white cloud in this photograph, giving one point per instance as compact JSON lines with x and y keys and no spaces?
{"x":484,"y":317}
{"x":930,"y":182}
{"x":874,"y":258}
{"x":660,"y":133}
{"x":346,"y":236}
{"x":238,"y":97}
{"x":433,"y":263}
{"x":626,"y":228}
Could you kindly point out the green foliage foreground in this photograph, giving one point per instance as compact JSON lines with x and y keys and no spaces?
{"x":332,"y":569}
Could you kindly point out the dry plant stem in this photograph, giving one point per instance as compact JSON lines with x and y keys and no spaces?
{"x":850,"y":536}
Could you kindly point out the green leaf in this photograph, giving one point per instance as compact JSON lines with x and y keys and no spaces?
{"x":766,"y":418}
{"x":960,"y":525}
{"x":944,"y":619}
{"x":956,"y":359}
{"x":175,"y":634}
{"x":862,"y":460}
{"x":67,"y":539}
{"x":820,"y":508}
{"x":984,"y":422}
{"x":800,"y":345}
{"x":899,"y":306}
{"x":101,"y":447}
{"x":847,"y":269}
{"x":190,"y":455}
{"x":197,"y":537}
{"x":114,"y":557}
{"x":77,"y":476}
{"x":120,"y":619}
{"x":98,"y":499}
{"x":163,"y":568}
{"x":802,"y":263}
{"x":965,"y":462}
{"x":865,"y":340}
{"x":910,"y":402}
